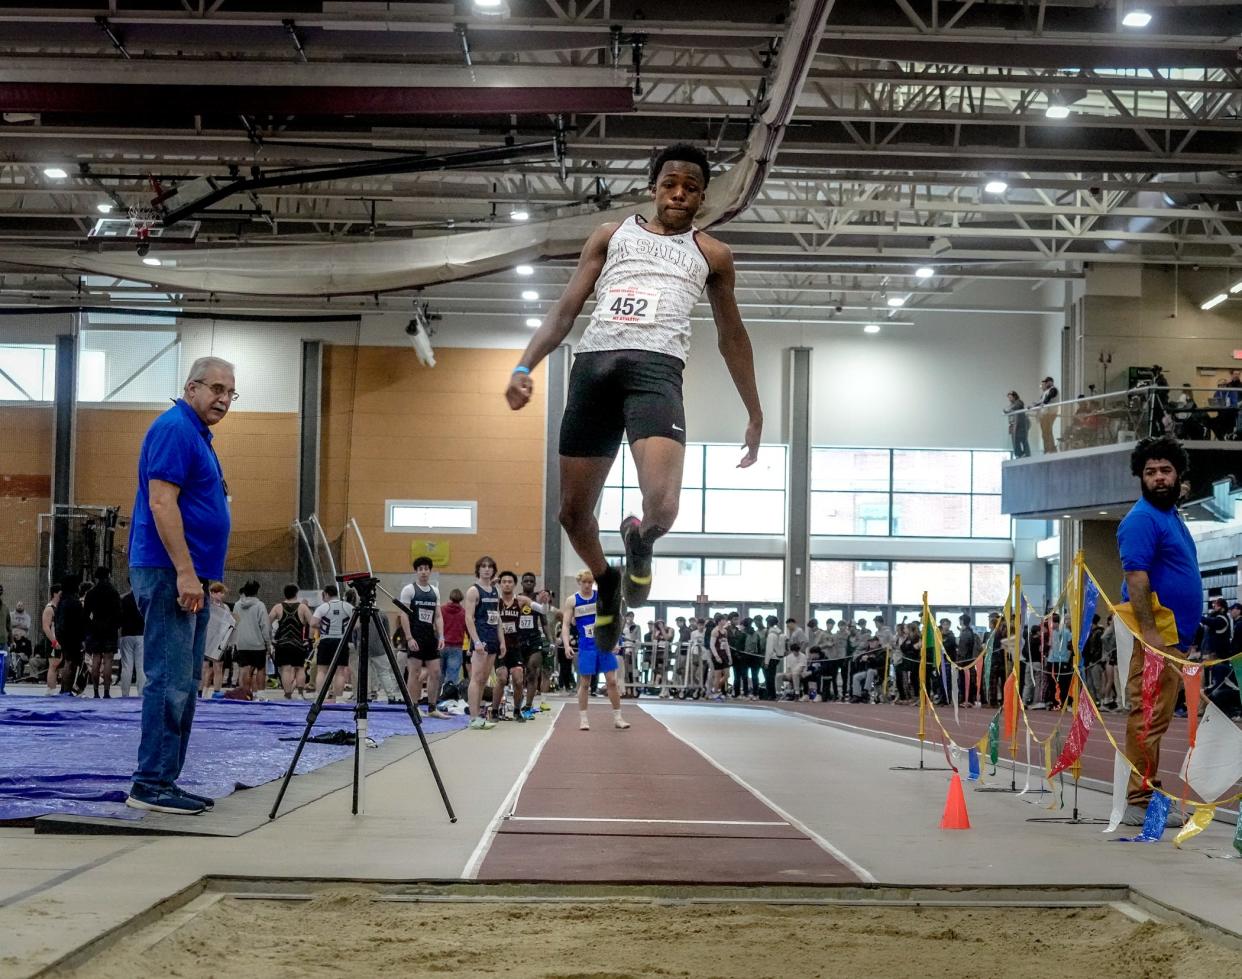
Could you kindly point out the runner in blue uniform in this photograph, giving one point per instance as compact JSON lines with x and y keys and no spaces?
{"x":580,"y":609}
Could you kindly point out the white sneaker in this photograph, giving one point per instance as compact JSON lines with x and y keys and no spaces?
{"x":804,"y":698}
{"x":619,"y":724}
{"x":1039,"y":706}
{"x":584,"y":724}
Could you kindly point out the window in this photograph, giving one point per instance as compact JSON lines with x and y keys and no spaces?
{"x":931,"y":470}
{"x":850,"y":514}
{"x":849,"y":582}
{"x":744,"y":512}
{"x":136,"y":366}
{"x":744,"y":579}
{"x":946,"y":583}
{"x":932,"y":493}
{"x":930,"y":515}
{"x":27,"y":372}
{"x":850,"y":469}
{"x":716,"y":496}
{"x":989,"y":584}
{"x":676,"y":579}
{"x":442,"y":516}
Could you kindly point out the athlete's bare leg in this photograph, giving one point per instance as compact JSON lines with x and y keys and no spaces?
{"x":582,"y":481}
{"x":660,"y":462}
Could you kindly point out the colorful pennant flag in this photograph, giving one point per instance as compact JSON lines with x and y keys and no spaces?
{"x":1192,"y":680}
{"x":1084,"y":719}
{"x":973,"y":761}
{"x":1195,"y":825}
{"x":1090,"y":599}
{"x":1153,"y":823}
{"x":1214,"y":763}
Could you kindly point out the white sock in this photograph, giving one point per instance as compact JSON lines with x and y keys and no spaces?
{"x":616,"y":714}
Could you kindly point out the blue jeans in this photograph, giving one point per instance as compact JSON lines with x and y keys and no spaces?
{"x":450,"y":661}
{"x":172,"y":658}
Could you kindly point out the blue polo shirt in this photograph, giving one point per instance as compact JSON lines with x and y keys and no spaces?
{"x":1158,"y":542}
{"x":177,"y":449}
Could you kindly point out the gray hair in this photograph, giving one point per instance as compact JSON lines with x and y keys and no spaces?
{"x":200,"y":367}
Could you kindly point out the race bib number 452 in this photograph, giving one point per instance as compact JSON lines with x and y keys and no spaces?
{"x":622,"y":305}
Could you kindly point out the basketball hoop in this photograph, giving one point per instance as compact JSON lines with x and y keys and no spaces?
{"x":142,"y":218}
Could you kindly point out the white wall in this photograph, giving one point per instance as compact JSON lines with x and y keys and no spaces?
{"x":938,"y":383}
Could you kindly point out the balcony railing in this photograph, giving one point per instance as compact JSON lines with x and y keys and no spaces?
{"x":1188,"y":413}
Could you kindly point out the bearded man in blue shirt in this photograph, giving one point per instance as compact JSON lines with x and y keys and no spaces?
{"x":1161,"y":565}
{"x":177,"y":543}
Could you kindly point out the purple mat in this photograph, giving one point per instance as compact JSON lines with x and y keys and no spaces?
{"x":66,"y":755}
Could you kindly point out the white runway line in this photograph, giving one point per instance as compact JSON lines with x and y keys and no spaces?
{"x":675,"y":822}
{"x":863,"y":873}
{"x":471,"y":870}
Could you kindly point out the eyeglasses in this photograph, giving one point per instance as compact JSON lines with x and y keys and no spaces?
{"x":219,"y":389}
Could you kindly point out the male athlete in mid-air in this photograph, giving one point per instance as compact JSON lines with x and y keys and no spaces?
{"x":647,"y":276}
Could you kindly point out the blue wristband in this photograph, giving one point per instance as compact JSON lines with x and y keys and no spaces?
{"x":521,"y":369}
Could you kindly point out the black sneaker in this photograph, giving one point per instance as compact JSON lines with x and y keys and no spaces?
{"x":636,"y":582}
{"x":608,"y":610}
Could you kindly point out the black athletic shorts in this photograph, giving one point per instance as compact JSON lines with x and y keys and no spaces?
{"x":254,"y":658}
{"x":513,"y":658}
{"x":428,"y":646}
{"x":327,"y":649}
{"x":289,"y":655}
{"x":612,"y":393}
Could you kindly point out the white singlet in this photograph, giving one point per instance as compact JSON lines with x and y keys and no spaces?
{"x":645,"y":292}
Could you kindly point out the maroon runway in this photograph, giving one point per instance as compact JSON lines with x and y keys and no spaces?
{"x":642,"y":806}
{"x":1097,"y":758}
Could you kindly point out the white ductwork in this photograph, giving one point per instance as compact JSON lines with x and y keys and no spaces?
{"x":342,"y":268}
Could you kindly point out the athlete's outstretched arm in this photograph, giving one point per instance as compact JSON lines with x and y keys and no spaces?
{"x":734,"y":344}
{"x":557,"y":324}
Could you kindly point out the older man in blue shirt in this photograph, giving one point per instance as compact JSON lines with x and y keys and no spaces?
{"x":177,"y":544}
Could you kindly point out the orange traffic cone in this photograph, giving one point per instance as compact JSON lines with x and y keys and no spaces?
{"x":955,"y":816}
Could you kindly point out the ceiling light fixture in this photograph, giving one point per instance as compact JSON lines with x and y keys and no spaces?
{"x":530,"y":295}
{"x":104,"y":207}
{"x":996,"y":186}
{"x":491,"y":7}
{"x":896,"y":301}
{"x":1067,"y":516}
{"x":1215,"y":301}
{"x":924,"y":272}
{"x":534,"y":322}
{"x":1056,"y":111}
{"x":1236,"y":287}
{"x":1136,"y":18}
{"x":151,"y":260}
{"x":519,"y":214}
{"x":54,"y":173}
{"x":525,"y":270}
{"x":871,"y":328}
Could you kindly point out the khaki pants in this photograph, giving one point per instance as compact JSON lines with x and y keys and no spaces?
{"x":1046,"y":420}
{"x":1145,"y":752}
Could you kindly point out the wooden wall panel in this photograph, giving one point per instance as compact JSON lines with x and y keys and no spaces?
{"x":394,"y":429}
{"x":25,"y":480}
{"x":258,"y":451}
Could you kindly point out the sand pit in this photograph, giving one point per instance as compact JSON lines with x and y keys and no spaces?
{"x":347,"y":931}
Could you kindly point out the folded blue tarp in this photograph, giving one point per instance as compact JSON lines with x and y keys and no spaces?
{"x":67,"y":755}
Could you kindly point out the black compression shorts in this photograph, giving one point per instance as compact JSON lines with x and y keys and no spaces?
{"x":327,"y":649}
{"x":612,"y":393}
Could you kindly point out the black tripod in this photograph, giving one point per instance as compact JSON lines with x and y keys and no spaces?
{"x":366,"y":614}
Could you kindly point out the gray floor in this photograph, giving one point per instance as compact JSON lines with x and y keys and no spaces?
{"x":59,"y":892}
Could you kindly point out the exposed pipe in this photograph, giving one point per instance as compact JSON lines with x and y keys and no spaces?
{"x":342,"y":268}
{"x":1161,"y":198}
